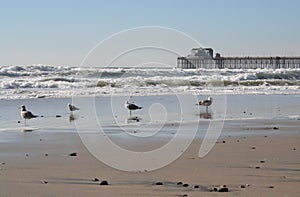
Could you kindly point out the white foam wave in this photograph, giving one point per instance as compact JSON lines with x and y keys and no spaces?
{"x":19,"y":81}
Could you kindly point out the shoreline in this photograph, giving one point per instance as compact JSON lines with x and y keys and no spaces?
{"x":184,"y":92}
{"x":256,"y":154}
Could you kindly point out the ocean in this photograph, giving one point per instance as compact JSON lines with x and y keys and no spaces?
{"x":40,"y":81}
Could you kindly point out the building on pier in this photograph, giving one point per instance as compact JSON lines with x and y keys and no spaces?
{"x":203,"y":58}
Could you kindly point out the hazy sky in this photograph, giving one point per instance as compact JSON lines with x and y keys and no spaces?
{"x":61,"y":32}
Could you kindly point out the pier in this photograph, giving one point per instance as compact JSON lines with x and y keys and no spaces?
{"x":203,"y":58}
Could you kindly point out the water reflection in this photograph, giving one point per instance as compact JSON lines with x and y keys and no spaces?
{"x":132,"y":119}
{"x":72,"y":118}
{"x":205,"y":115}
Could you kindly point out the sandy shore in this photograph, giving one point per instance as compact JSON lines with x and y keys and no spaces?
{"x":267,"y":165}
{"x":253,"y":156}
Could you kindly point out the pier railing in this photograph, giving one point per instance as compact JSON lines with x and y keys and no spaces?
{"x":239,"y":62}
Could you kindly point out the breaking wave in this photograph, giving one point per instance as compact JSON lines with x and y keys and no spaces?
{"x":25,"y":81}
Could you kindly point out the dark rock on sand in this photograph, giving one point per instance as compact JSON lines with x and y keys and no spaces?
{"x":223,"y":189}
{"x":159,"y":183}
{"x":245,"y":185}
{"x":73,"y":154}
{"x":179,"y":183}
{"x":45,"y":182}
{"x":196,"y":186}
{"x":253,"y":148}
{"x":58,"y":116}
{"x":275,"y":128}
{"x":262,"y":161}
{"x":213,"y":189}
{"x":95,"y":179}
{"x":257,"y":167}
{"x":104,"y":182}
{"x":271,"y":187}
{"x":19,"y":121}
{"x":185,"y":185}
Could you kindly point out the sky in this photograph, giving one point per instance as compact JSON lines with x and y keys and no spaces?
{"x":62,"y":32}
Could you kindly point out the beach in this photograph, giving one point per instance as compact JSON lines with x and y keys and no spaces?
{"x":256,"y":154}
{"x":149,"y":99}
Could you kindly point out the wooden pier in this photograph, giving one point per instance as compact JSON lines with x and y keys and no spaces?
{"x":239,"y":62}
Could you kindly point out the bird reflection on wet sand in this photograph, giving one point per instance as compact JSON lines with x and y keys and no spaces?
{"x":72,"y":118}
{"x":205,"y":115}
{"x":133,"y":119}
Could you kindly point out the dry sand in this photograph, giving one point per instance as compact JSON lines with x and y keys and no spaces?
{"x":267,"y":165}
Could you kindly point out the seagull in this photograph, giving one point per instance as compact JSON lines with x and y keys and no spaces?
{"x":131,"y":106}
{"x":72,"y":107}
{"x":206,"y":103}
{"x":26,"y":114}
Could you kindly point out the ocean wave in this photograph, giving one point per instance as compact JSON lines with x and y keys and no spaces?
{"x":54,"y":80}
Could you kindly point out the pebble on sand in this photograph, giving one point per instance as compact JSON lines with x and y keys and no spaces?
{"x":271,"y":186}
{"x":58,"y":116}
{"x":245,"y":185}
{"x":179,"y":183}
{"x":73,"y":154}
{"x":221,"y":188}
{"x":95,"y":179}
{"x":196,"y":186}
{"x":185,"y":185}
{"x":45,"y":182}
{"x":275,"y":128}
{"x":159,"y":183}
{"x":104,"y":182}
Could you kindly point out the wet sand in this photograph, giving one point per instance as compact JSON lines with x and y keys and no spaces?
{"x":253,"y":157}
{"x":267,"y":165}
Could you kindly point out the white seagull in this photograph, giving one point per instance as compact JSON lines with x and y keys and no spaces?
{"x":26,"y":114}
{"x":72,"y":107}
{"x":206,"y":103}
{"x":131,"y":106}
